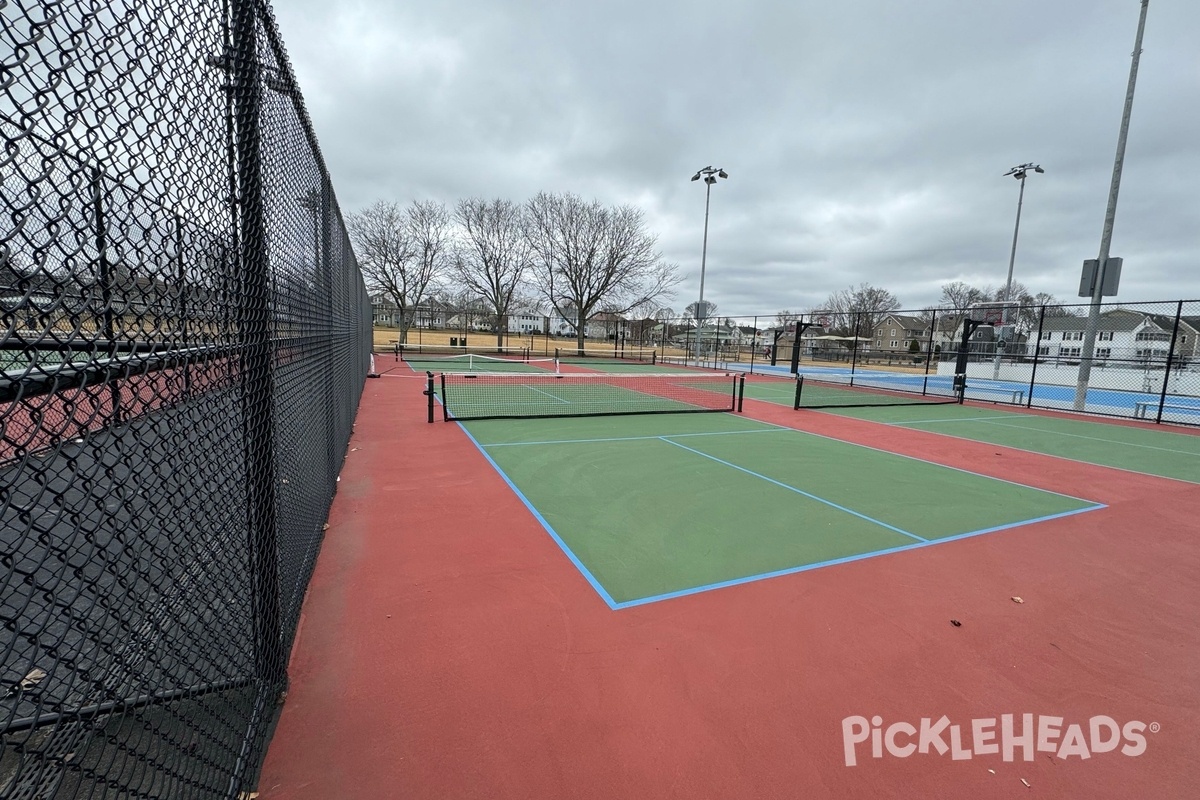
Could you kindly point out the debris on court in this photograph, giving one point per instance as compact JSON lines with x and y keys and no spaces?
{"x":1025,"y":782}
{"x":1017,"y":600}
{"x":956,"y":623}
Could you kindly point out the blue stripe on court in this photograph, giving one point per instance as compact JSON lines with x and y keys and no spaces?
{"x":845,"y":560}
{"x":809,"y":495}
{"x":600,"y":590}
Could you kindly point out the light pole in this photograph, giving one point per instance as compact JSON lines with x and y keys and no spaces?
{"x":710,"y":176}
{"x":1110,"y":216}
{"x":1019,"y":172}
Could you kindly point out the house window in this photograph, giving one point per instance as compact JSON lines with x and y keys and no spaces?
{"x":1044,"y":350}
{"x":1106,"y":336}
{"x":1103,"y":352}
{"x":1069,"y":352}
{"x":893,"y":333}
{"x":1153,"y":336}
{"x":1072,"y":336}
{"x":893,"y":341}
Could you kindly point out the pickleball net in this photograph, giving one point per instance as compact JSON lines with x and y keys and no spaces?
{"x":478,"y":362}
{"x":489,"y":395}
{"x":572,"y":355}
{"x":865,"y":391}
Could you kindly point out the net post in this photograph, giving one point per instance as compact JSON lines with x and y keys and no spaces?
{"x":429,"y":393}
{"x":445,"y":404}
{"x":653,"y":357}
{"x":799,"y":387}
{"x":740,"y":388}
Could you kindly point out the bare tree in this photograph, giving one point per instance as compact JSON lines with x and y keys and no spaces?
{"x":588,"y":257}
{"x":665,"y":317}
{"x":692,"y":312}
{"x":857,"y":309}
{"x":429,"y":234}
{"x":400,"y":251}
{"x":959,"y":295}
{"x":492,"y":255}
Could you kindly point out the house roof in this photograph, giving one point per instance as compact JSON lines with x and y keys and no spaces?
{"x":909,"y":323}
{"x":1118,"y":319}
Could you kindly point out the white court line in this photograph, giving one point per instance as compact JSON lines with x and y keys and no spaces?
{"x":1009,"y":424}
{"x":548,"y":394}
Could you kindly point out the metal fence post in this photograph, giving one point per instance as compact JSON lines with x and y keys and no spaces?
{"x":257,"y":381}
{"x":1037,"y":349}
{"x":854,"y":347}
{"x":1162,"y":397}
{"x":929,"y":352}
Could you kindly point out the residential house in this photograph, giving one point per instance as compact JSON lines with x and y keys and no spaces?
{"x":1121,"y":335}
{"x":896,"y":333}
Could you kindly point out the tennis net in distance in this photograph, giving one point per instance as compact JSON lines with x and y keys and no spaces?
{"x":863,"y":391}
{"x":572,"y":355}
{"x":483,"y":395}
{"x":475,"y":362}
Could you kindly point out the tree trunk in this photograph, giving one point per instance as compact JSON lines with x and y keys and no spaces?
{"x":579,"y":332}
{"x":402,"y":337}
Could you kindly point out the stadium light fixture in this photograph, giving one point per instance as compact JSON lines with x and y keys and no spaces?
{"x":710,"y":177}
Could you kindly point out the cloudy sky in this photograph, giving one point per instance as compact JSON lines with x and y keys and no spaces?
{"x":866,"y":140}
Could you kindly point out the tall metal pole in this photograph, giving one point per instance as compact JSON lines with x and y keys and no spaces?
{"x":703,"y":257}
{"x":710,"y":175}
{"x":1012,"y":259}
{"x":1089,"y":339}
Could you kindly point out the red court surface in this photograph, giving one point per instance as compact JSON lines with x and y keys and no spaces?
{"x":449,"y":649}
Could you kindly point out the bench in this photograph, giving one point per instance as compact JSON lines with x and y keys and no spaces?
{"x":1016,"y":396}
{"x":1141,"y":409}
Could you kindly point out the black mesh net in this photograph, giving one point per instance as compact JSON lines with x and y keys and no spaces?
{"x":185,"y":335}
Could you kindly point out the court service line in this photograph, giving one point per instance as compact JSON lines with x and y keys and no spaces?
{"x":809,"y":495}
{"x":1091,"y":438}
{"x":943,"y":419}
{"x":937,"y":463}
{"x":1009,"y":447}
{"x":548,"y":394}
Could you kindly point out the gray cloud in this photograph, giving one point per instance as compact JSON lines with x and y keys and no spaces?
{"x":866,"y":140}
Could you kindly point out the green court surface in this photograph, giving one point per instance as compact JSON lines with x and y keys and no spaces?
{"x":1158,"y":451}
{"x":655,"y":507}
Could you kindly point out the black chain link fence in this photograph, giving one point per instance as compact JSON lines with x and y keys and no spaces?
{"x":1133,"y":360}
{"x":183,"y":343}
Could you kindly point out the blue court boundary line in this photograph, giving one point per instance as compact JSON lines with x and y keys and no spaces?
{"x":617,"y":606}
{"x":844,"y":560}
{"x":600,"y":590}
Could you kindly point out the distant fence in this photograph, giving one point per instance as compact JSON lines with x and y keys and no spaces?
{"x":1144,"y":362}
{"x":184,"y":335}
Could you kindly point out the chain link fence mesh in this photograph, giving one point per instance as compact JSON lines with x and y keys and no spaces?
{"x":183,"y":343}
{"x":1144,"y":363}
